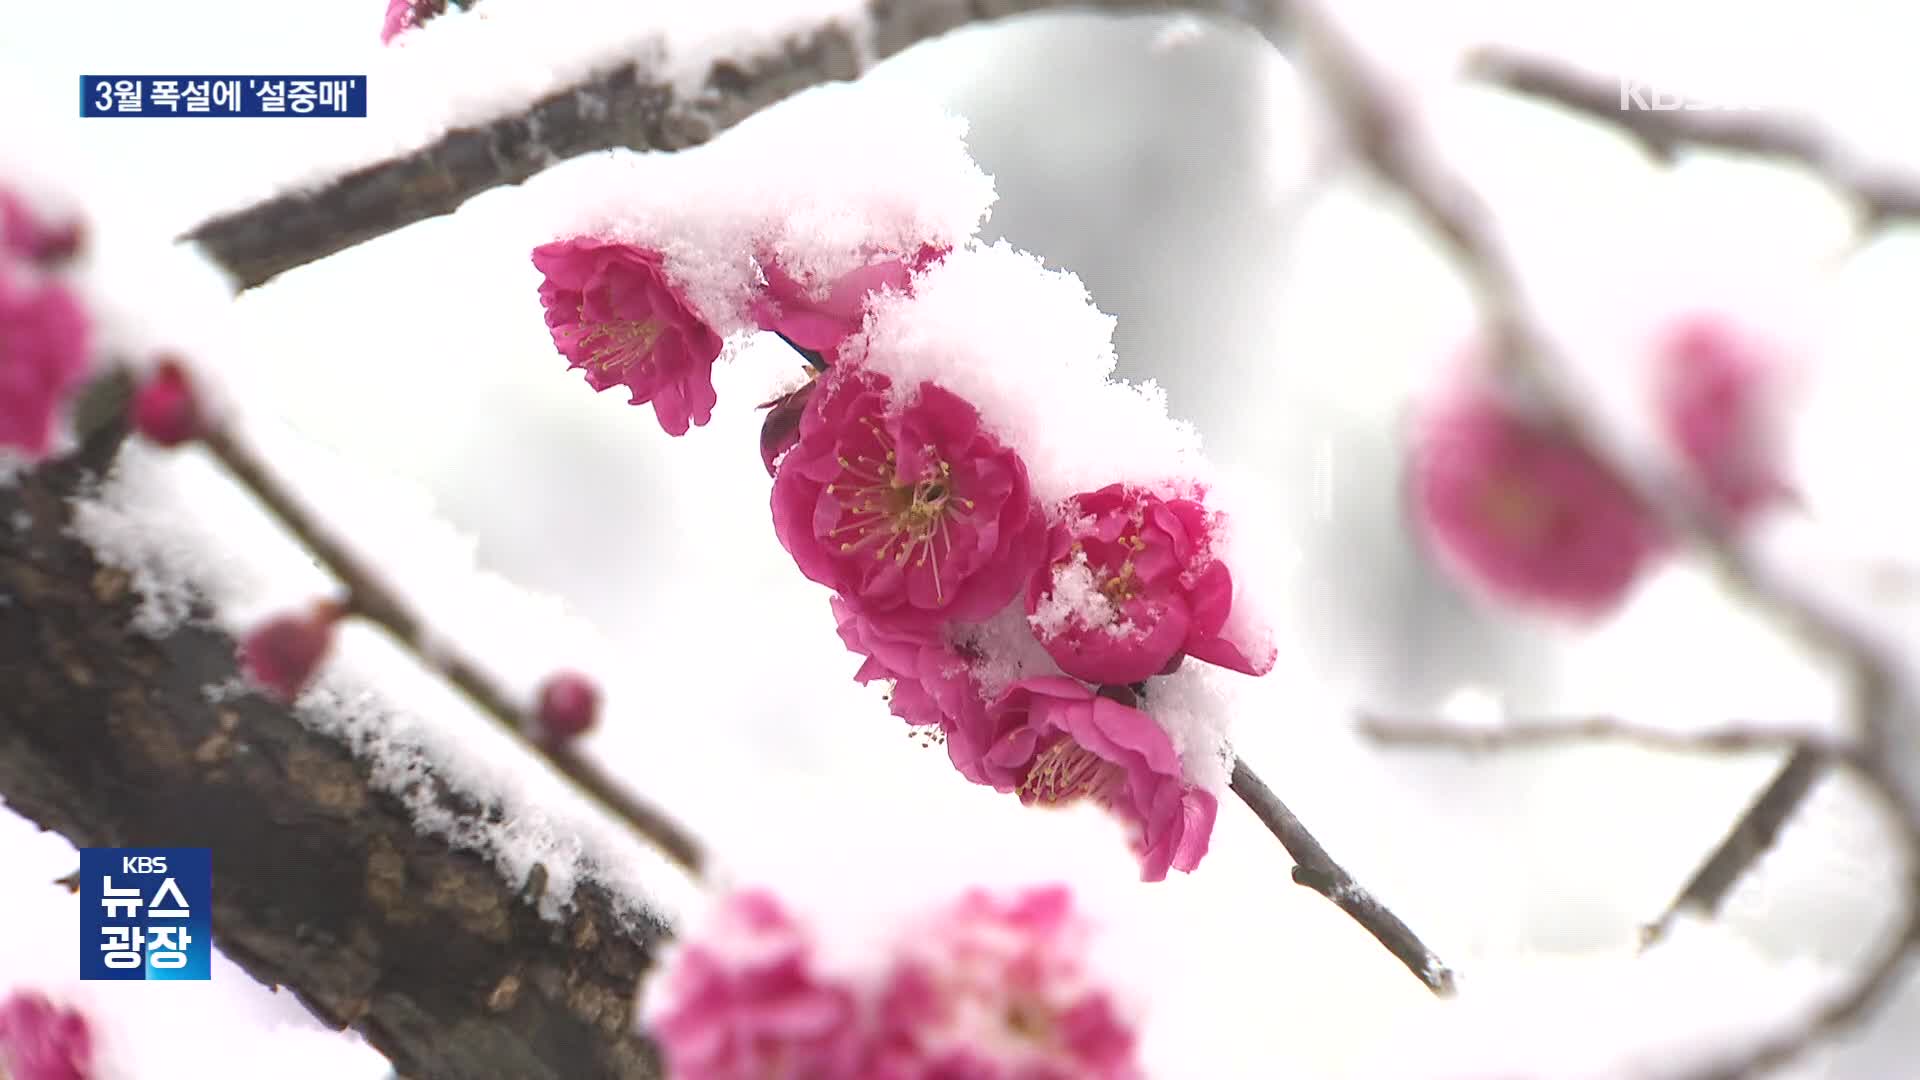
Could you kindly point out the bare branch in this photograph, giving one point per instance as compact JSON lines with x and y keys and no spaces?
{"x":1523,"y":733}
{"x":1882,"y":193}
{"x":323,"y":884}
{"x":631,"y":104}
{"x":369,"y":597}
{"x":1315,"y":869}
{"x":1883,"y":696}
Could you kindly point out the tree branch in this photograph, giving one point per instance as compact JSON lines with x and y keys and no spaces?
{"x":1315,"y":869}
{"x":322,"y":883}
{"x":369,"y":597}
{"x":632,"y":104}
{"x":1882,"y":193}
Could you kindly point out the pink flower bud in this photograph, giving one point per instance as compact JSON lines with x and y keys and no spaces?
{"x":164,"y":409}
{"x":41,"y":1041}
{"x":1518,"y":511}
{"x":569,"y":705}
{"x":44,"y":344}
{"x":282,"y":654}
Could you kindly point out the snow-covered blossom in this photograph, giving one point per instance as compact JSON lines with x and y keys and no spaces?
{"x":1718,"y":390}
{"x":819,"y":316}
{"x":997,"y":989}
{"x":1131,"y":586}
{"x":615,"y":314}
{"x":42,"y":1041}
{"x":1518,"y":510}
{"x":44,"y":343}
{"x":569,"y":702}
{"x":1058,"y":742}
{"x":165,"y":409}
{"x":912,"y":512}
{"x":282,"y":654}
{"x":743,"y":1002}
{"x":404,"y":15}
{"x":27,"y":235}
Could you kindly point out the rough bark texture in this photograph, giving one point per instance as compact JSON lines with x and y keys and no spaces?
{"x":633,"y":104}
{"x":320,"y":883}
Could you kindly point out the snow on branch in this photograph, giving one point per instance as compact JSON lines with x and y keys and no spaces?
{"x":638,"y":85}
{"x":1882,"y":193}
{"x":1580,"y":400}
{"x":327,"y":884}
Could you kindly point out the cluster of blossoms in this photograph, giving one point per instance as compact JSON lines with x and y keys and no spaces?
{"x":902,"y":499}
{"x":39,"y":1040}
{"x":1519,"y":510}
{"x":988,"y":988}
{"x":45,"y":334}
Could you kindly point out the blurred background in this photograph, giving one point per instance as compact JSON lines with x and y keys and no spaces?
{"x":1291,"y":310}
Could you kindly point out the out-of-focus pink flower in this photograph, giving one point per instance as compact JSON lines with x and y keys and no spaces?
{"x":1718,"y":392}
{"x":404,"y":15}
{"x":1131,"y":586}
{"x":615,"y":314}
{"x":914,"y":514}
{"x":282,"y":654}
{"x":1519,"y":511}
{"x":819,"y":316}
{"x":42,"y":1041}
{"x":999,"y":990}
{"x":44,"y":343}
{"x":743,"y":1003}
{"x":1059,"y":742}
{"x":165,"y":409}
{"x":569,"y":703}
{"x":26,"y":235}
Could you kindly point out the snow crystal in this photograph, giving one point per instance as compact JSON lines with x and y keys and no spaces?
{"x":1077,"y":600}
{"x":1028,"y":348}
{"x":824,"y":183}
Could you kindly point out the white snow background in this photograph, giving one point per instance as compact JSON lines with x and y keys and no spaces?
{"x":1163,"y":161}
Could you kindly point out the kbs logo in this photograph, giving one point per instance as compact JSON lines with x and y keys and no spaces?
{"x":144,"y":913}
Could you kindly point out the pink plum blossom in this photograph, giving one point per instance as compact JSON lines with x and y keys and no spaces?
{"x":44,"y":343}
{"x":42,"y":1041}
{"x":742,"y":1002}
{"x":1131,"y":586}
{"x":821,"y":322}
{"x":1717,"y":391}
{"x":26,"y":235}
{"x":913,"y":513}
{"x":615,"y":314}
{"x":1059,"y":742}
{"x":933,"y":685}
{"x":998,"y":989}
{"x":282,"y":654}
{"x":404,"y":15}
{"x":1519,"y":511}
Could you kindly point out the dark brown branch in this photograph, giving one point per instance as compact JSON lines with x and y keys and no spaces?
{"x":1882,"y":193}
{"x":631,"y":104}
{"x":369,"y":597}
{"x":1316,"y":870}
{"x":321,"y":883}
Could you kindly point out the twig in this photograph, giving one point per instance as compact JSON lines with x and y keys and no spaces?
{"x":369,"y":598}
{"x":1883,"y":694}
{"x":625,"y":102}
{"x":1522,"y":733}
{"x":1316,"y":870}
{"x":1882,"y":193}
